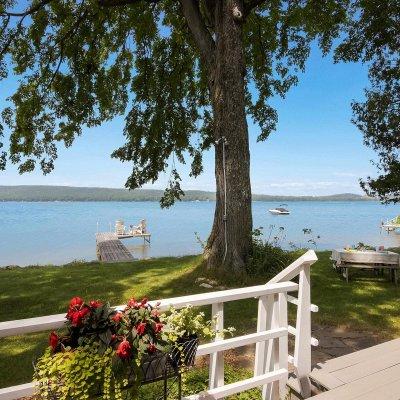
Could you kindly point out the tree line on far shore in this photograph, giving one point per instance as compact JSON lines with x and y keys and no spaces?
{"x":68,"y":193}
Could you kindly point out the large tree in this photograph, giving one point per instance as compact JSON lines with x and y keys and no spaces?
{"x":185,"y":73}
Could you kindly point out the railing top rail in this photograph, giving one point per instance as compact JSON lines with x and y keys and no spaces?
{"x":295,"y":267}
{"x":56,"y":321}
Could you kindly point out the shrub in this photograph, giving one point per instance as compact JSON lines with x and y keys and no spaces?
{"x":267,"y":259}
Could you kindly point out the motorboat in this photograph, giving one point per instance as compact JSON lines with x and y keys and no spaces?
{"x":280,"y":210}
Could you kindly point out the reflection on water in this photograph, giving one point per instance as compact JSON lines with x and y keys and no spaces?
{"x":140,"y":251}
{"x":59,"y":232}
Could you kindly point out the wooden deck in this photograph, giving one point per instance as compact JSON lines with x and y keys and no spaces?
{"x":370,"y":374}
{"x":110,"y":249}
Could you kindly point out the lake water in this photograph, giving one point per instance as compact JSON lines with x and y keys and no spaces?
{"x":59,"y":232}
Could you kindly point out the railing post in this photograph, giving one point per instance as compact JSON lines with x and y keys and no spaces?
{"x":277,"y":349}
{"x":302,"y":354}
{"x":265,"y":304}
{"x":283,"y":341}
{"x":216,"y":371}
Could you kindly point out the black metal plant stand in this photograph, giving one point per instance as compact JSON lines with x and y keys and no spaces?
{"x":167,"y":366}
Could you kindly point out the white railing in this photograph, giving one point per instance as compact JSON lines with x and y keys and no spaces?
{"x":271,"y":338}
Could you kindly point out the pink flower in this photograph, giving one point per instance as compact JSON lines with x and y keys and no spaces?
{"x":76,"y":302}
{"x":124,"y":349}
{"x":95,"y":304}
{"x":143,"y":302}
{"x":77,"y":317}
{"x":117,"y":317}
{"x":140,"y":328}
{"x":132,"y":303}
{"x":53,"y":340}
{"x":158,"y":328}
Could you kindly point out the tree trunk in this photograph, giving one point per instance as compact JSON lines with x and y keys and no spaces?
{"x":230,"y":240}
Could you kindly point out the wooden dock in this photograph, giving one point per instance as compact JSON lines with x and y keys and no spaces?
{"x":110,"y":249}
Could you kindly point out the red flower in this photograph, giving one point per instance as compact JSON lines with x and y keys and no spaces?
{"x":124,"y":349}
{"x":78,"y":316}
{"x":143,"y":302}
{"x":140,"y":328}
{"x":151,"y":348}
{"x":53,"y":340}
{"x":117,"y":317}
{"x":158,"y":327}
{"x":95,"y":303}
{"x":76,"y":302}
{"x":133,"y":303}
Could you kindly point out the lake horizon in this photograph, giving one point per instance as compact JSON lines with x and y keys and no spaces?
{"x":58,"y":232}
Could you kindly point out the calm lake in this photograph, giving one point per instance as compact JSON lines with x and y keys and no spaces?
{"x":59,"y":232}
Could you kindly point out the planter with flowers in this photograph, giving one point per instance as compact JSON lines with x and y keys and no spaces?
{"x":108,"y":354}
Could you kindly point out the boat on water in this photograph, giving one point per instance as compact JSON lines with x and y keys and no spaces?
{"x":280,"y":210}
{"x":391,"y":225}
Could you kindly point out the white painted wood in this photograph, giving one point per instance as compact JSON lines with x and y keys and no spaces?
{"x":28,"y":325}
{"x":239,"y":341}
{"x":16,"y":392}
{"x":238,"y":387}
{"x":216,"y":368}
{"x":271,"y":390}
{"x":295,"y":267}
{"x":283,"y":342}
{"x":365,"y":257}
{"x":293,"y":300}
{"x":314,"y":342}
{"x":259,"y":362}
{"x":272,"y":329}
{"x":302,"y":354}
{"x":263,"y":352}
{"x":18,"y":327}
{"x":224,"y":296}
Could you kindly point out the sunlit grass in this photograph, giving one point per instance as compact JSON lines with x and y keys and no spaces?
{"x":366,"y":303}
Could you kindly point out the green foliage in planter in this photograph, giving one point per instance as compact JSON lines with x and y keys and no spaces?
{"x":187,"y":322}
{"x":79,"y":374}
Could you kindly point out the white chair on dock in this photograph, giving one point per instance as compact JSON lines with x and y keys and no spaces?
{"x":119,"y":227}
{"x":139,"y":229}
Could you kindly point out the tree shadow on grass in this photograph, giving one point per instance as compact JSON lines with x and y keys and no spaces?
{"x":47,"y":290}
{"x":39,"y":291}
{"x":367,"y":302}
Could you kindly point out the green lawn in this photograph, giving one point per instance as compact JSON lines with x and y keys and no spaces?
{"x":365,"y":303}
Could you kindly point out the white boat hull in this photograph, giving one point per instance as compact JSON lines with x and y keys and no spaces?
{"x":277,"y":212}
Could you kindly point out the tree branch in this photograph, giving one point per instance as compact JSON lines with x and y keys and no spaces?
{"x":28,"y":11}
{"x":250,"y":5}
{"x":117,"y":3}
{"x":201,"y":34}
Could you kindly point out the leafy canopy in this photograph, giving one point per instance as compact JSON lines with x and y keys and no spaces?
{"x":373,"y":36}
{"x":84,"y":62}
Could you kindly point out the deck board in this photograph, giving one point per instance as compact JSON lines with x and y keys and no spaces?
{"x":367,"y":387}
{"x":110,"y":248}
{"x":368,"y":374}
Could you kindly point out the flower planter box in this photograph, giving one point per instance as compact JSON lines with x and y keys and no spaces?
{"x":184,"y":353}
{"x":161,"y":365}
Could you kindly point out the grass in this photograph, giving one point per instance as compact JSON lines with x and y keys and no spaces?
{"x":366,"y":303}
{"x":196,"y":380}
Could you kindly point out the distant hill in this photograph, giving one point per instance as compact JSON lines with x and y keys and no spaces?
{"x":68,"y":193}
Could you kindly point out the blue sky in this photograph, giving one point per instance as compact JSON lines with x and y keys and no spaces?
{"x":316,"y":150}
